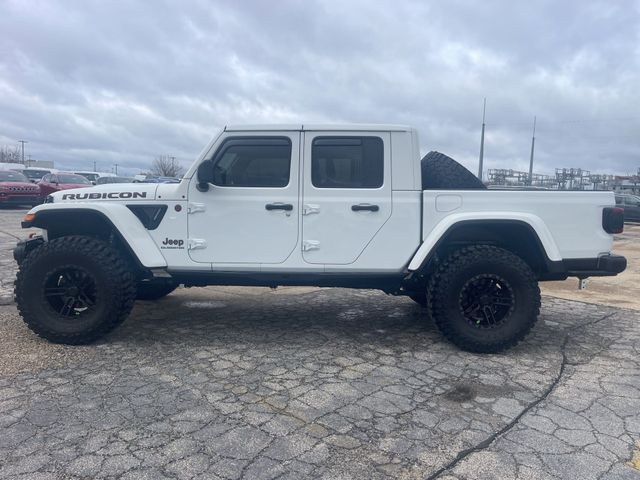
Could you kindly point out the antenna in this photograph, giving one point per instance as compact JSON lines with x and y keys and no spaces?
{"x":480,"y":162}
{"x":533,"y":143}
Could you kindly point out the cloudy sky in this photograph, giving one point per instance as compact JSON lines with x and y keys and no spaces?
{"x":123,"y":81}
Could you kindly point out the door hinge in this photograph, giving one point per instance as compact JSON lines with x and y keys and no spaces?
{"x":196,"y":207}
{"x":309,"y":208}
{"x":197,"y":243}
{"x":310,"y":245}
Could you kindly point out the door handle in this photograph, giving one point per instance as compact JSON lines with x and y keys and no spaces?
{"x":362,"y":207}
{"x":279,"y":206}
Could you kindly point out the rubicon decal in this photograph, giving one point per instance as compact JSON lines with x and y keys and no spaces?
{"x":104,"y":195}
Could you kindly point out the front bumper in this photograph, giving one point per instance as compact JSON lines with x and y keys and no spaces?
{"x":22,"y":249}
{"x":12,"y":199}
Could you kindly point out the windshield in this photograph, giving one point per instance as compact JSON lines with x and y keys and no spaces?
{"x":73,"y":179}
{"x":104,"y":180}
{"x":35,"y":174}
{"x":12,"y":177}
{"x":89,"y":176}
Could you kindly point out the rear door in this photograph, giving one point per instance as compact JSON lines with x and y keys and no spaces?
{"x":346,"y":193}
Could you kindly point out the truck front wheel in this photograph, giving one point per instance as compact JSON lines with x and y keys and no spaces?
{"x":74,"y":289}
{"x":484,"y":299}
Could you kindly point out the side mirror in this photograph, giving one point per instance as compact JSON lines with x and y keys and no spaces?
{"x":93,"y":182}
{"x":205,"y":175}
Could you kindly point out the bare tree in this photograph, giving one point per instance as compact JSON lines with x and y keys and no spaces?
{"x":166,"y":166}
{"x":10,"y":154}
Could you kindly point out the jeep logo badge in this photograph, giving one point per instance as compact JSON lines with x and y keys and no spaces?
{"x":172,"y":243}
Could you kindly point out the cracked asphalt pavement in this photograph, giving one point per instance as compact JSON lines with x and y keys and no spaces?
{"x":317,"y":383}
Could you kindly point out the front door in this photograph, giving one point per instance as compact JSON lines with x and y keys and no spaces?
{"x":346,"y":194}
{"x":250,"y":212}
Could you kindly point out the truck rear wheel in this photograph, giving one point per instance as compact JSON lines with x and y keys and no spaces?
{"x":74,"y":289}
{"x":484,"y":299}
{"x":155,"y":289}
{"x":440,"y":171}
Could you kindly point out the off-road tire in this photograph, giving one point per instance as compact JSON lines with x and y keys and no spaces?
{"x":447,"y":294}
{"x":155,"y":289}
{"x":442,"y":172}
{"x":114,"y":282}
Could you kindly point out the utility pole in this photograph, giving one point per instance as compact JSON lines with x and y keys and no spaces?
{"x":116,"y":168}
{"x":29,"y":161}
{"x":173,"y":168}
{"x":22,"y":142}
{"x":484,"y":109}
{"x":533,"y":143}
{"x":94,"y":166}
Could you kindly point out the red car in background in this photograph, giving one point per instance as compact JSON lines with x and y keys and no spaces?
{"x":54,"y":182}
{"x":16,"y":189}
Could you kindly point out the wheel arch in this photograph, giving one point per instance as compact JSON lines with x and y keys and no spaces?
{"x":116,"y":222}
{"x":528,"y":239}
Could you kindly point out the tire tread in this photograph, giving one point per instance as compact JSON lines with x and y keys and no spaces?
{"x":441,"y":281}
{"x":111,"y":260}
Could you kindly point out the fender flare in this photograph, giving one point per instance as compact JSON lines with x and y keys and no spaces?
{"x":133,"y":234}
{"x":535,"y":223}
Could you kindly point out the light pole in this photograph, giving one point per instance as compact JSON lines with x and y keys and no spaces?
{"x":22,"y":142}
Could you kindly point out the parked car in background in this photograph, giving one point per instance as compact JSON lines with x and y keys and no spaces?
{"x":16,"y":189}
{"x":94,"y":176}
{"x":54,"y":182}
{"x":631,"y":205}
{"x":34,"y":174}
{"x":106,"y":180}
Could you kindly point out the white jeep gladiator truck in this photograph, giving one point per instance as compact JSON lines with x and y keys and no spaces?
{"x":322,"y":205}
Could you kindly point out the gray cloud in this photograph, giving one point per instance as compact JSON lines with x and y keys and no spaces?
{"x":120,"y":82}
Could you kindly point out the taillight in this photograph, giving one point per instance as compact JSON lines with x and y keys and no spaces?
{"x":613,"y":219}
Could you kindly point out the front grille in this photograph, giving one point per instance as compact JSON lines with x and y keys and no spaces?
{"x":23,"y":189}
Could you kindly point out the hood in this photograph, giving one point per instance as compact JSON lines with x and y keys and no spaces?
{"x":108,"y":193}
{"x":67,"y":186}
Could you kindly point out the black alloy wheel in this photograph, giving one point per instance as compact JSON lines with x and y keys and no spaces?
{"x":486,"y":300}
{"x":70,"y":291}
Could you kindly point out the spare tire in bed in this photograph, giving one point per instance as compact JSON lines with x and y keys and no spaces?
{"x":442,"y":172}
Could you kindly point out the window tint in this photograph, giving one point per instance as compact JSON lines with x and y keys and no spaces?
{"x":253,"y":162}
{"x":347,"y":162}
{"x":70,"y":178}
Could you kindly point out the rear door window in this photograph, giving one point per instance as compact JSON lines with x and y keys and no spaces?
{"x":347,"y":162}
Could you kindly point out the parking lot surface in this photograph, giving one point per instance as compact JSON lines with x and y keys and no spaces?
{"x":317,"y":383}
